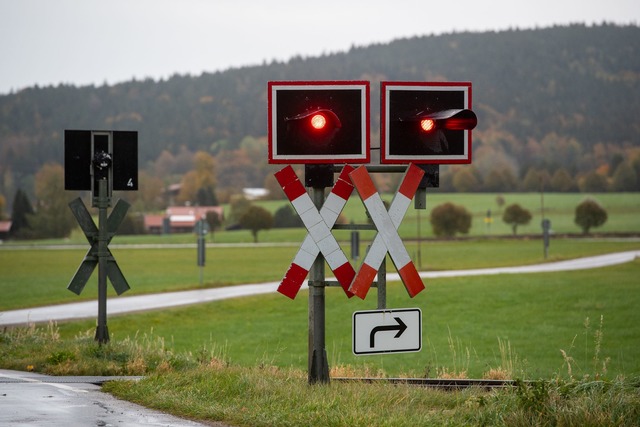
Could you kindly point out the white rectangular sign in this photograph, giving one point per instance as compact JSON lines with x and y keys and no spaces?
{"x":387,"y":331}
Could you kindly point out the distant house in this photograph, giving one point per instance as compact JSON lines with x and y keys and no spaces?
{"x":153,"y":224}
{"x":179,"y":219}
{"x":255,"y":193}
{"x":5,"y":227}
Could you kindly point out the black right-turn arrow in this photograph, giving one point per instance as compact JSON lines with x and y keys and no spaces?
{"x":400,"y":327}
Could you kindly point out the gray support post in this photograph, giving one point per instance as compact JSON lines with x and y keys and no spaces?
{"x":102,"y":332}
{"x":382,"y":285}
{"x":318,"y":363}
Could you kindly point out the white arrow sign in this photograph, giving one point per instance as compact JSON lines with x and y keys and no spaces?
{"x":387,"y":331}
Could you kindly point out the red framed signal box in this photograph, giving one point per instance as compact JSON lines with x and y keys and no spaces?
{"x":426,"y":122}
{"x":319,"y":122}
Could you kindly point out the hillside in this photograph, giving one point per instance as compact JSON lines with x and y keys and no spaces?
{"x":561,"y":98}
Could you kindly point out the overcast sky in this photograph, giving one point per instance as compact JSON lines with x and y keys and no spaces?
{"x":82,"y":42}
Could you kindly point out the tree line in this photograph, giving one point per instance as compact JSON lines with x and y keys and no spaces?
{"x":556,"y":106}
{"x":53,"y":219}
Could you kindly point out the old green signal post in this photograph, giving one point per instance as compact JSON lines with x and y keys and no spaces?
{"x":100,"y":162}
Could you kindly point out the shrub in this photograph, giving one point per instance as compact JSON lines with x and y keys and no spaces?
{"x":255,"y":219}
{"x":448,"y":219}
{"x":286,"y":217}
{"x":589,"y":214}
{"x":516,"y":215}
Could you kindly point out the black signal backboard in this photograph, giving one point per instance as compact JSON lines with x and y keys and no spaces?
{"x":80,"y":147}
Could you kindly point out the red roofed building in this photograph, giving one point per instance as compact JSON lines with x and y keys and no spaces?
{"x":179,"y":219}
{"x":5,"y":227}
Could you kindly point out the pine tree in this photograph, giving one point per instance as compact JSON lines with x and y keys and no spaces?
{"x":22,"y":208}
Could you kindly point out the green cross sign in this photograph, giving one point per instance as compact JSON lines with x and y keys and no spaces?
{"x":90,"y":260}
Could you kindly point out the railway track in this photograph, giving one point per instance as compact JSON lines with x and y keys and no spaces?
{"x":440,"y":383}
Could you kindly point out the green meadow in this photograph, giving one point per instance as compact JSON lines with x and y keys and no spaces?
{"x":471,"y":325}
{"x":39,"y":276}
{"x":623,"y":211}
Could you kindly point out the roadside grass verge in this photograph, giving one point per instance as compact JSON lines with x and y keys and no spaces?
{"x":471,"y":326}
{"x":264,"y":396}
{"x":206,"y":386}
{"x":464,"y":321}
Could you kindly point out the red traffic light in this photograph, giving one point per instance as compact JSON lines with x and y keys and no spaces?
{"x":454,"y":119}
{"x":318,"y":122}
{"x":427,"y":125}
{"x":451,"y":119}
{"x":426,"y":122}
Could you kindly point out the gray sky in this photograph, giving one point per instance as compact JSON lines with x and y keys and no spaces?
{"x":82,"y":42}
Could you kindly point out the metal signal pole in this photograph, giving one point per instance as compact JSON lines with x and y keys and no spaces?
{"x":102,"y":331}
{"x":318,"y":362}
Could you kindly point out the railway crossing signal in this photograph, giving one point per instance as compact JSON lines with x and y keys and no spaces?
{"x":319,"y":238}
{"x":100,"y":161}
{"x":387,"y":239}
{"x":322,"y":124}
{"x":91,"y":232}
{"x":94,"y":155}
{"x":426,"y":122}
{"x":318,"y":122}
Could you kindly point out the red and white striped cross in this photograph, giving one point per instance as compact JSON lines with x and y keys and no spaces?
{"x":319,"y":238}
{"x":387,"y":223}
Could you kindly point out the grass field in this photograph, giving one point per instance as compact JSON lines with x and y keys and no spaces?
{"x":243,"y":361}
{"x":39,"y":276}
{"x":623,"y":211}
{"x":466,"y":320}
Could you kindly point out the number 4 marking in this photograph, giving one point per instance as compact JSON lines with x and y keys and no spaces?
{"x":130,"y":182}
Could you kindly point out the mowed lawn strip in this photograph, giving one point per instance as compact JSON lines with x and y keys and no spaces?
{"x":38,"y":277}
{"x":470,"y":326}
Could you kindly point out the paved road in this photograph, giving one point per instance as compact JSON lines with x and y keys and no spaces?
{"x":119,"y":305}
{"x":30,"y":399}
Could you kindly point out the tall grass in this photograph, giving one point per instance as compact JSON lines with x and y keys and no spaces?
{"x":206,"y":386}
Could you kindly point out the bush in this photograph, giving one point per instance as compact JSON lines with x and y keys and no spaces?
{"x":515,"y":215}
{"x":286,"y":217}
{"x":255,"y":219}
{"x":589,"y":214}
{"x":448,"y":219}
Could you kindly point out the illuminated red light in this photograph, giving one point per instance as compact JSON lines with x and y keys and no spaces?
{"x":318,"y":121}
{"x":462,"y":123}
{"x":427,"y":125}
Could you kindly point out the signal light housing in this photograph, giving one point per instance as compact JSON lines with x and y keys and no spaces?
{"x":90,"y":155}
{"x":426,"y":122}
{"x":318,"y":122}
